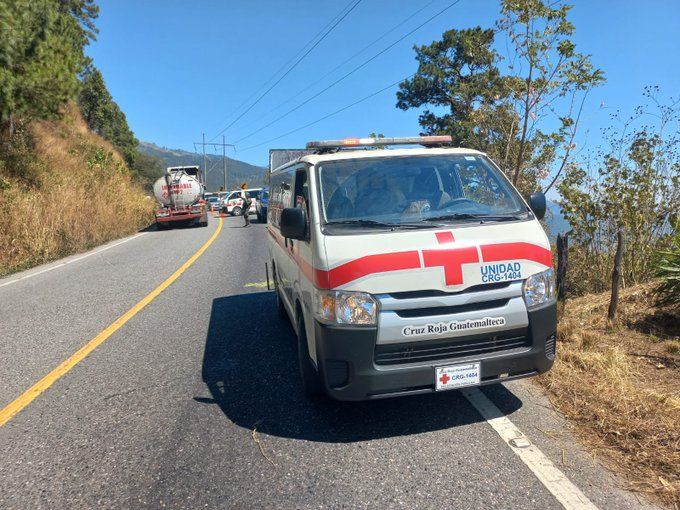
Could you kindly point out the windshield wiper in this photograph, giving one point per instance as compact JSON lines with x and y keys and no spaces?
{"x":482,"y":217}
{"x":379,"y":224}
{"x":363,"y":223}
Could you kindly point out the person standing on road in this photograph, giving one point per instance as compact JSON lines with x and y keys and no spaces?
{"x":247,"y":201}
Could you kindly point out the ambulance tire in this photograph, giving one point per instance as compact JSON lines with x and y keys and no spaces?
{"x":236,"y":211}
{"x":311,"y":380}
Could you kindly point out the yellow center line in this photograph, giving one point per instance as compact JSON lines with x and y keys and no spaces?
{"x":65,"y":366}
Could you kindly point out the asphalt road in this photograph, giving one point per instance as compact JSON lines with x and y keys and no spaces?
{"x":195,"y":401}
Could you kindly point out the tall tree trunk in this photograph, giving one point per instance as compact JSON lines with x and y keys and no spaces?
{"x":616,"y":275}
{"x":507,"y":146}
{"x":562,"y":264}
{"x":525,"y":125}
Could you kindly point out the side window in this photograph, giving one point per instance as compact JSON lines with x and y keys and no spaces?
{"x":302,"y":191}
{"x":280,"y":195}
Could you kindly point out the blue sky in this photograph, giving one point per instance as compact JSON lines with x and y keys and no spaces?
{"x":179,"y":68}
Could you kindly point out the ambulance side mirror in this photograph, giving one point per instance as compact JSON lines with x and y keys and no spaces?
{"x":537,"y":204}
{"x":293,"y":223}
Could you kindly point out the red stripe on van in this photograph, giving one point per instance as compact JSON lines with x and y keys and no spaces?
{"x":509,"y":251}
{"x":444,"y":237}
{"x":371,"y":264}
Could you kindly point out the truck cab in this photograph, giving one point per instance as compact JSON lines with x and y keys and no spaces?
{"x":409,"y":270}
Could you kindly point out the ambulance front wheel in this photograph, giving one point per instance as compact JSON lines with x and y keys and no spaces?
{"x":311,"y":380}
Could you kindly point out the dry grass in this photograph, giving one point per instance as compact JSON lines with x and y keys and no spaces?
{"x":620,"y":383}
{"x":79,"y":195}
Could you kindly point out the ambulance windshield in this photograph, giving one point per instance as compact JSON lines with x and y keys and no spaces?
{"x":408,"y":189}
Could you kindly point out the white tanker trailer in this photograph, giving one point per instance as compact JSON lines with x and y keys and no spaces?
{"x":180,"y":195}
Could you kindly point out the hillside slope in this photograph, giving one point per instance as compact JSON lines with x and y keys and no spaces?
{"x":63,"y":189}
{"x":237,"y":171}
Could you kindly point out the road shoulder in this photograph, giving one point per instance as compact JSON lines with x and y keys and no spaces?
{"x":554,"y":436}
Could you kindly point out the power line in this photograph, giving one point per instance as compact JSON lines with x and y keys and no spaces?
{"x":283,"y":66}
{"x":207,"y":170}
{"x":290,"y":68}
{"x":365,"y":63}
{"x":370,"y":45}
{"x":329,"y":115}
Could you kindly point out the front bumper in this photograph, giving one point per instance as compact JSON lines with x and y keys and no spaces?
{"x":349,"y":372}
{"x":181,"y":217}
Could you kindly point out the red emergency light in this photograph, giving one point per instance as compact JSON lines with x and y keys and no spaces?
{"x":367,"y":142}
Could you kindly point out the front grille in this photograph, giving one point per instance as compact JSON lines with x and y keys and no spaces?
{"x":415,"y":294}
{"x":415,"y":352}
{"x":448,"y":310}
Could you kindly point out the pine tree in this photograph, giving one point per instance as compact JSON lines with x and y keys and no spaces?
{"x":41,"y":54}
{"x":104,"y":116}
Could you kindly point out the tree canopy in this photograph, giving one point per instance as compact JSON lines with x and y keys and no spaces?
{"x":41,"y":54}
{"x":511,"y":115}
{"x":458,"y":74}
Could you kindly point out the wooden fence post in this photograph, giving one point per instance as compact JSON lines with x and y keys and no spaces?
{"x":616,"y":274}
{"x":562,"y":263}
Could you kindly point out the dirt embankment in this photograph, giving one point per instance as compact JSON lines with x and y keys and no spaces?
{"x":63,"y":189}
{"x":620,"y":384}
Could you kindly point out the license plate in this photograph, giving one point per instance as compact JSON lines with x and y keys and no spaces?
{"x":457,"y":376}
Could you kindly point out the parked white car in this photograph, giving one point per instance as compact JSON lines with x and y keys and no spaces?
{"x":233,"y":204}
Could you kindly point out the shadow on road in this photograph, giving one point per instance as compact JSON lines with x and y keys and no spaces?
{"x":250,"y":368}
{"x":179,"y":225}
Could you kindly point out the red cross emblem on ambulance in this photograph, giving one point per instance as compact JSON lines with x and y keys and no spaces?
{"x":451,"y":259}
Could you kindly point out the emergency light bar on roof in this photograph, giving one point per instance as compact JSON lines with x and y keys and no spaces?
{"x":367,"y":142}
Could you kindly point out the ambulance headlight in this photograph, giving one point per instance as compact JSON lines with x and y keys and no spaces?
{"x":345,"y":308}
{"x":539,"y":289}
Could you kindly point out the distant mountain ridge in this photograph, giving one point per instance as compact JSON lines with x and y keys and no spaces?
{"x":555,"y":220}
{"x":238,"y":172}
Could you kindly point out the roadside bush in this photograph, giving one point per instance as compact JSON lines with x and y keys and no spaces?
{"x":633,"y":183}
{"x":63,"y":190}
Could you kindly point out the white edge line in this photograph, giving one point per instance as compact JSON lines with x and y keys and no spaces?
{"x":552,"y":478}
{"x":76,"y":259}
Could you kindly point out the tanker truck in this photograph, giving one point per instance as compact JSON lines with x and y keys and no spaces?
{"x":180,"y":195}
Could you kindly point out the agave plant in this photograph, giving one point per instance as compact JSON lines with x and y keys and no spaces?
{"x":668,"y":269}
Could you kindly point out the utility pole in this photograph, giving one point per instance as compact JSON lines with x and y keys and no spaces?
{"x":224,"y":157}
{"x":224,"y":146}
{"x":205,"y":168}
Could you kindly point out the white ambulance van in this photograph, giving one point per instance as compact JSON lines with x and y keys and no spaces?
{"x":409,"y":270}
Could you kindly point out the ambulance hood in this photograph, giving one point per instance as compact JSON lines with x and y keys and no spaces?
{"x":449,"y":259}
